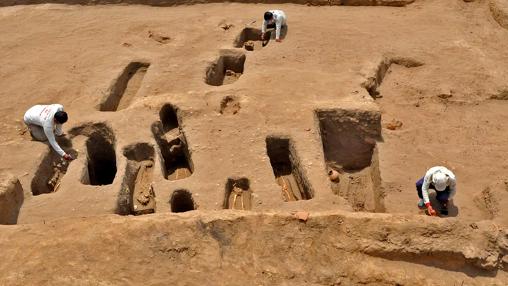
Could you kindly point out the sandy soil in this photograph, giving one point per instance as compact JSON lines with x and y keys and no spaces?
{"x":327,"y":96}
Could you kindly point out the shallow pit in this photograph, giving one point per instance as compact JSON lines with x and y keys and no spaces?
{"x":250,"y":39}
{"x":123,"y":91}
{"x":52,"y":169}
{"x":349,"y":145}
{"x":226,"y":69}
{"x":230,"y":105}
{"x":286,"y":169}
{"x":137,"y":195}
{"x":238,"y":195}
{"x":182,"y":201}
{"x":374,"y":82}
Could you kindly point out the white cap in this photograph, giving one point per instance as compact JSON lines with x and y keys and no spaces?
{"x":440,"y":181}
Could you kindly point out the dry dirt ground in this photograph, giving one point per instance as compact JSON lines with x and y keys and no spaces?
{"x":170,"y":113}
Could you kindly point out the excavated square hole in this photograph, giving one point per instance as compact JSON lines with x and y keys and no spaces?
{"x":137,"y":196}
{"x":250,"y":39}
{"x":175,"y":156}
{"x":168,"y":118}
{"x":349,"y":145}
{"x":238,"y":195}
{"x":125,"y":88}
{"x":52,"y":169}
{"x":226,"y":69}
{"x":182,"y":201}
{"x":286,"y":169}
{"x":101,"y":160}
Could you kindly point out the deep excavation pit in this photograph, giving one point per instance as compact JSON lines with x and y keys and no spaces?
{"x":250,"y":39}
{"x":238,"y":195}
{"x":100,"y":166}
{"x":52,"y":169}
{"x":226,"y":69}
{"x":137,"y":196}
{"x":182,"y":201}
{"x":374,"y":81}
{"x":123,"y":91}
{"x":287,"y":170}
{"x":172,"y":145}
{"x":349,"y":146}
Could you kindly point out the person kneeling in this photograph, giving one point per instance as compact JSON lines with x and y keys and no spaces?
{"x":443,"y":182}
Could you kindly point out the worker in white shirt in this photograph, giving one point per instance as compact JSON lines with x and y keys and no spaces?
{"x":44,"y":121}
{"x":274,"y":19}
{"x":443,"y":182}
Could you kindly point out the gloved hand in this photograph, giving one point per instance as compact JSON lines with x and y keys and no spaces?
{"x":431,"y":211}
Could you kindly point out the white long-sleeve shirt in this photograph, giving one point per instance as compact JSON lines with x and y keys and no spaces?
{"x":427,"y":180}
{"x":279,"y":18}
{"x":43,"y":115}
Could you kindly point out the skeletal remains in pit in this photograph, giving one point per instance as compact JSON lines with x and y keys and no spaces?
{"x":52,"y":169}
{"x":137,"y":195}
{"x":226,"y":69}
{"x":238,"y":195}
{"x":250,"y":39}
{"x":349,"y":146}
{"x":175,"y":156}
{"x":287,"y":170}
{"x":126,"y":86}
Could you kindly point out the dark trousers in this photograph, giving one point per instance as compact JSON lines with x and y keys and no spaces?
{"x":440,"y":196}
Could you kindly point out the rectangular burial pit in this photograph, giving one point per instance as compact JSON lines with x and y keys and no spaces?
{"x":175,"y":157}
{"x":125,"y":88}
{"x":226,"y":69}
{"x":238,"y":195}
{"x":349,"y":145}
{"x":52,"y":169}
{"x":286,"y":169}
{"x":250,"y":39}
{"x":101,"y":159}
{"x":137,"y":196}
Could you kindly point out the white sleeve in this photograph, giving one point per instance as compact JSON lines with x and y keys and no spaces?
{"x":263,"y":27}
{"x":48,"y":130}
{"x":425,"y":187}
{"x":278,"y":26}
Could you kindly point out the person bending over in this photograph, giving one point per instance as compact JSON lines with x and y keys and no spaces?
{"x":273,"y":19}
{"x":44,"y":121}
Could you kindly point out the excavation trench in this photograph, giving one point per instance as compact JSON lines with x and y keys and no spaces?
{"x":100,"y":163}
{"x":238,"y":195}
{"x":349,"y":146}
{"x":226,"y":69}
{"x":175,"y":157}
{"x":137,"y":196}
{"x":125,"y":88}
{"x":287,"y":170}
{"x":374,"y":81}
{"x":52,"y":169}
{"x":250,"y":39}
{"x":182,"y":201}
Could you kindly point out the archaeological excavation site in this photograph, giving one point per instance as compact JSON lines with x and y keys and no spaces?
{"x":206,"y":153}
